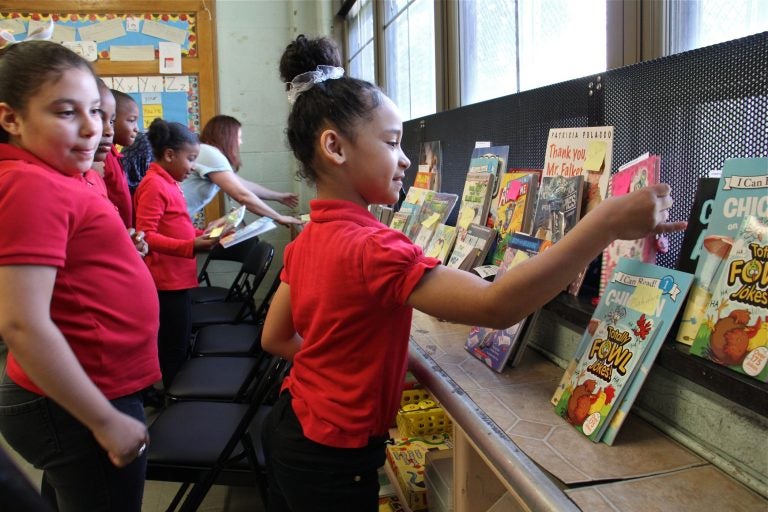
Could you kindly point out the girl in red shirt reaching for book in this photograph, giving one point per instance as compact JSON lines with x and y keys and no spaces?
{"x":79,"y":353}
{"x":161,"y":213}
{"x":343,"y":310}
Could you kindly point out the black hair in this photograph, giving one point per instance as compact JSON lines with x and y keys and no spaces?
{"x":136,"y":160}
{"x":25,"y":67}
{"x":121,"y":98}
{"x":163,"y":135}
{"x":342,"y":102}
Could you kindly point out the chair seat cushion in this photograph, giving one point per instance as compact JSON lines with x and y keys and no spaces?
{"x":227,"y":339}
{"x":212,"y":378}
{"x":208,"y":426}
{"x":216,"y":313}
{"x":204,"y":294}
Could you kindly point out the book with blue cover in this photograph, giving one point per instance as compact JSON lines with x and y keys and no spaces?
{"x":742,"y":191}
{"x":735,"y":331}
{"x":618,"y":348}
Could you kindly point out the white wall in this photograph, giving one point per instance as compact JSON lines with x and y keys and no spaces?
{"x":250,"y":37}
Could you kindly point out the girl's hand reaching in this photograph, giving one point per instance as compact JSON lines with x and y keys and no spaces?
{"x":124,"y":438}
{"x":289,"y":199}
{"x":640,"y":213}
{"x":287,"y":220}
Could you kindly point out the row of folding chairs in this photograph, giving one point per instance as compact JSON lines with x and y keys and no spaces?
{"x":210,"y":431}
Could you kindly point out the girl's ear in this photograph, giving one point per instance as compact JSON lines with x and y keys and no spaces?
{"x":9,"y":119}
{"x":332,"y":146}
{"x":168,"y":155}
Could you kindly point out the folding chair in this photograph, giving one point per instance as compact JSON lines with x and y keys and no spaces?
{"x":235,"y":339}
{"x":243,"y":309}
{"x":206,"y":292}
{"x":204,"y":443}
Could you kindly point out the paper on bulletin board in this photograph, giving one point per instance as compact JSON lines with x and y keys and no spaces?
{"x":151,"y":112}
{"x":126,"y":84}
{"x":176,"y":84}
{"x":63,"y":33}
{"x":13,"y":26}
{"x":170,"y":58}
{"x":124,"y":53}
{"x":163,"y":31}
{"x":151,"y":84}
{"x":151,"y":98}
{"x":85,"y":49}
{"x":104,"y":31}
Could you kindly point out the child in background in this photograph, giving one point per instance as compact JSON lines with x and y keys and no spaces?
{"x":161,"y":212}
{"x":343,"y":310}
{"x":79,"y":353}
{"x":125,"y":128}
{"x":136,"y":160}
{"x":216,"y":168}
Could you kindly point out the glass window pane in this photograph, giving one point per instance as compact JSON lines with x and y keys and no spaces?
{"x":487,"y":52}
{"x":366,"y":21}
{"x":696,"y":23}
{"x":421,"y":35}
{"x":560,"y":40}
{"x":368,"y":69}
{"x":410,"y":65}
{"x":354,"y":35}
{"x":392,"y":8}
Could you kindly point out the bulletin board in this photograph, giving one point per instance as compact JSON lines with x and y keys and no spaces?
{"x":161,"y":53}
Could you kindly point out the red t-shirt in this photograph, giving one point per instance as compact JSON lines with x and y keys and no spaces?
{"x":103,"y":300}
{"x":117,"y":186}
{"x":161,"y":213}
{"x":349,"y":278}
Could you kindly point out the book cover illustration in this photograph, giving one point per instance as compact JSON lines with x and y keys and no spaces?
{"x":410,"y":209}
{"x":735,"y":332}
{"x":428,"y":175}
{"x":501,"y":156}
{"x":483,"y":239}
{"x":442,"y":242}
{"x":475,"y":200}
{"x":226,"y":223}
{"x":400,"y":220}
{"x":495,"y":346}
{"x":742,"y":190}
{"x":586,"y":152}
{"x":558,"y":207}
{"x":435,"y":209}
{"x":515,"y":207}
{"x":635,"y":175}
{"x":618,"y":348}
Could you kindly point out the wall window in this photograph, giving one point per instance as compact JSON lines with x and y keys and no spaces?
{"x":696,"y":23}
{"x":409,"y":45}
{"x":506,"y":47}
{"x":361,"y":61}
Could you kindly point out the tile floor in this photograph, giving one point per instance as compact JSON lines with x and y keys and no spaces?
{"x":157,"y":495}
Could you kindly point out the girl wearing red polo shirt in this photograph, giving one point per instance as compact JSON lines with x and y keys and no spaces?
{"x":343,"y":310}
{"x":161,"y":213}
{"x":79,"y":353}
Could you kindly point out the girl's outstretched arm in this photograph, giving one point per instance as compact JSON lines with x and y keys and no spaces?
{"x":40,"y":348}
{"x":462,"y":297}
{"x":279,"y":336}
{"x":234,"y":188}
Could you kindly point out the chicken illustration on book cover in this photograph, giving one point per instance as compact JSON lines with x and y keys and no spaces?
{"x":742,"y":191}
{"x":619,"y":346}
{"x":494,"y":346}
{"x":735,"y":332}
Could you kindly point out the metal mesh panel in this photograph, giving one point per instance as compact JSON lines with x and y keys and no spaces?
{"x":695,"y":109}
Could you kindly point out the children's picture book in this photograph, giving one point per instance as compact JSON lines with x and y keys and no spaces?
{"x":400,"y":220}
{"x":500,"y":154}
{"x":639,"y":173}
{"x":558,"y":207}
{"x":586,"y":152}
{"x":742,"y":190}
{"x":255,"y":228}
{"x":226,"y":223}
{"x":735,"y":332}
{"x":619,"y":346}
{"x":516,"y":203}
{"x":693,"y":239}
{"x":435,"y":209}
{"x":475,"y":200}
{"x":429,"y":167}
{"x":495,"y":346}
{"x":483,"y":239}
{"x":442,"y":242}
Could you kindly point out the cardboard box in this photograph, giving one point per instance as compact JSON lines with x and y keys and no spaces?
{"x":407,"y":457}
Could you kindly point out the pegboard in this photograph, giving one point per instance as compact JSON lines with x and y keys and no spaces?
{"x":695,"y":109}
